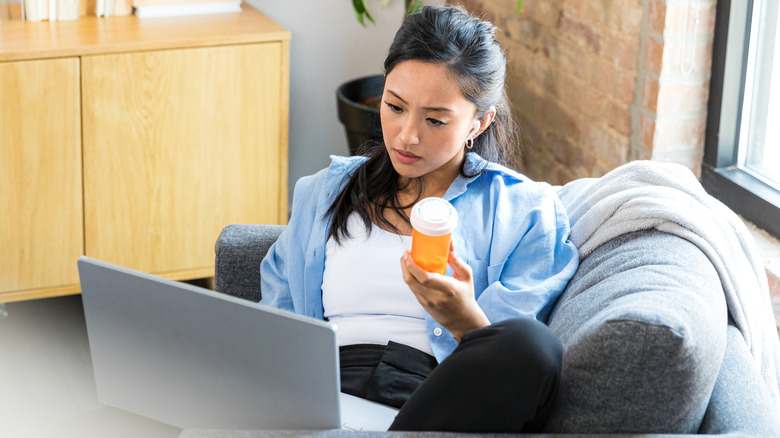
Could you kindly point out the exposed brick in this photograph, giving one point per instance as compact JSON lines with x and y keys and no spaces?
{"x":520,"y":60}
{"x":624,"y":16}
{"x":690,"y":158}
{"x":530,"y":134}
{"x":675,"y":97}
{"x":647,"y":126}
{"x":563,"y":175}
{"x":576,"y":9}
{"x":596,"y":12}
{"x":530,"y":68}
{"x":656,"y":15}
{"x":617,"y":83}
{"x":654,"y":55}
{"x":602,"y":169}
{"x":580,"y":96}
{"x":522,"y":99}
{"x":568,"y":154}
{"x":622,"y":50}
{"x":540,"y":165}
{"x":676,"y":24}
{"x":550,"y":47}
{"x":542,"y":111}
{"x":617,"y":117}
{"x":678,"y":134}
{"x":573,"y":78}
{"x":641,"y":154}
{"x":631,"y":13}
{"x":546,"y":13}
{"x":481,"y":8}
{"x":582,"y":33}
{"x":649,"y":93}
{"x":524,"y":31}
{"x":611,"y":147}
{"x":696,"y":59}
{"x":774,"y":285}
{"x":544,"y":75}
{"x":573,"y":58}
{"x":556,"y":116}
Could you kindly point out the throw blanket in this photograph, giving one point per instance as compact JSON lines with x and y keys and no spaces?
{"x":644,"y":194}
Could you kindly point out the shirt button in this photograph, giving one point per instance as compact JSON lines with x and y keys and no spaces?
{"x":437,"y":331}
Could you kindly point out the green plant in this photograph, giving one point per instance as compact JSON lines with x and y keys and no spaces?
{"x":410,"y":7}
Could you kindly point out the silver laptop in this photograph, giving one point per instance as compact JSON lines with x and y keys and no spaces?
{"x":195,"y":358}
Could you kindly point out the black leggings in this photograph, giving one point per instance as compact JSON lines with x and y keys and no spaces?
{"x":501,"y":379}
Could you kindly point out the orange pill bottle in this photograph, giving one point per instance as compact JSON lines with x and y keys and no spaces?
{"x":433,"y":221}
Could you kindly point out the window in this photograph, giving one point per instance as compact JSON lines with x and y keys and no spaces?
{"x":742,"y":150}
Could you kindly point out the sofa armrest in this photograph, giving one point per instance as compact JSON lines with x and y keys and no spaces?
{"x":239,"y":250}
{"x":740,"y":400}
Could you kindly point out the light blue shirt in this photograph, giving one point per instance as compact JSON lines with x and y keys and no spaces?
{"x":512,"y":231}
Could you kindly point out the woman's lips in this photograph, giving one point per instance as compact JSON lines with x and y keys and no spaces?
{"x":406,"y":157}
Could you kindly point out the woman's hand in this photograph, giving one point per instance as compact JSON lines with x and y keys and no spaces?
{"x":449,"y":300}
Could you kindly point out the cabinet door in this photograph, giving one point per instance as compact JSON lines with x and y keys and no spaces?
{"x":40,"y":174}
{"x":177,"y":145}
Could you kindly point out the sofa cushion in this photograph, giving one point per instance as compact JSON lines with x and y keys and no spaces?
{"x":739,"y":399}
{"x":643,"y":324}
{"x":239,"y":250}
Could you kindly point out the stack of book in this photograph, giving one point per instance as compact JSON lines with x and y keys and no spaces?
{"x":5,"y":10}
{"x":170,"y":8}
{"x":107,"y":8}
{"x":52,"y":10}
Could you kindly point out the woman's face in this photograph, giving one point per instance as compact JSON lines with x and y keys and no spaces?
{"x":426,"y":122}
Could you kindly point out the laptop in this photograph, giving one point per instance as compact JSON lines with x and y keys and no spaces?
{"x":198,"y":359}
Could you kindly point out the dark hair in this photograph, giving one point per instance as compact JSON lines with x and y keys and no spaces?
{"x":469,"y":49}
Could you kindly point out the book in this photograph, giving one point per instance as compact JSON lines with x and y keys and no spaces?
{"x":52,"y":10}
{"x":108,"y":8}
{"x":171,"y":8}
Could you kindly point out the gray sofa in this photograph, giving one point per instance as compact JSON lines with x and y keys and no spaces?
{"x":648,"y":343}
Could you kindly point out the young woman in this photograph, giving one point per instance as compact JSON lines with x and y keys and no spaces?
{"x":467,"y":351}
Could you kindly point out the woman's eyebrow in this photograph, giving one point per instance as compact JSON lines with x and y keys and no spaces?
{"x":427,"y":108}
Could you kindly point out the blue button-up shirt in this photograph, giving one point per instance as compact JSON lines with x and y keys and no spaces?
{"x":512,"y":231}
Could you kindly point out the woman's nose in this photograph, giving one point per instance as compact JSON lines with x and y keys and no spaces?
{"x":409,"y":133}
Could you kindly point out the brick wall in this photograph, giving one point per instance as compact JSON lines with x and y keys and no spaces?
{"x":597,"y":83}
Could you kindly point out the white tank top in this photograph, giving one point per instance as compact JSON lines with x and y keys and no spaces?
{"x":363,"y":291}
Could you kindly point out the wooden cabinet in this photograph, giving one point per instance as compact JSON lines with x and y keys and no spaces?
{"x":135,"y":142}
{"x":41,"y":221}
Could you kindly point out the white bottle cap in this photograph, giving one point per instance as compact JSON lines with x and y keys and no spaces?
{"x":434,"y":217}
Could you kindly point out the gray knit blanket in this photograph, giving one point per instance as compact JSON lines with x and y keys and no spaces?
{"x":646,"y":194}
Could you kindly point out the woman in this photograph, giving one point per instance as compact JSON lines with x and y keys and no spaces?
{"x":464,"y":351}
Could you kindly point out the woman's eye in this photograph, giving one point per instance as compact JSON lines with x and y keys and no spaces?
{"x":435,"y":122}
{"x":394,"y":108}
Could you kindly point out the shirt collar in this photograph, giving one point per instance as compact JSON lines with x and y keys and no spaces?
{"x":473,"y":166}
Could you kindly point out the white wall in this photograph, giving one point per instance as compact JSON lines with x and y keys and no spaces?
{"x":328,"y":47}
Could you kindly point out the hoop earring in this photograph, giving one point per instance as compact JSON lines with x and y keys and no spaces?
{"x":469,"y":143}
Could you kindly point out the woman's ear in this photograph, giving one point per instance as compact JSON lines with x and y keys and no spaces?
{"x":481,"y":124}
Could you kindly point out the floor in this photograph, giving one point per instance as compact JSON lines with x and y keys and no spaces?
{"x":48,"y":388}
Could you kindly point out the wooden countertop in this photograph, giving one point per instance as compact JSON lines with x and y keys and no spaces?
{"x":90,"y":35}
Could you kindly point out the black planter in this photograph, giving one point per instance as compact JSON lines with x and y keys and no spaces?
{"x":361,"y":121}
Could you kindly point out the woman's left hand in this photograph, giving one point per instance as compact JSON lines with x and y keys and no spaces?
{"x":449,"y":300}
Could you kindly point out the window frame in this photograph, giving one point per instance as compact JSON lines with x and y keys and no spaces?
{"x":748,"y":196}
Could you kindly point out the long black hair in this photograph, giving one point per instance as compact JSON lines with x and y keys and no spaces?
{"x":469,"y":49}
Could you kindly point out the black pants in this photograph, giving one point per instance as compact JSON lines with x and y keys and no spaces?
{"x":502,"y":378}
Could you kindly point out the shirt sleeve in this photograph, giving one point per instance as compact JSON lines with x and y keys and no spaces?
{"x":532,"y":259}
{"x":274,"y":285}
{"x":280,"y":286}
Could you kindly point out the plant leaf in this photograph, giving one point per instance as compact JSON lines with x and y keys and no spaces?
{"x":519,"y":6}
{"x":361,"y":12}
{"x":413,"y":7}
